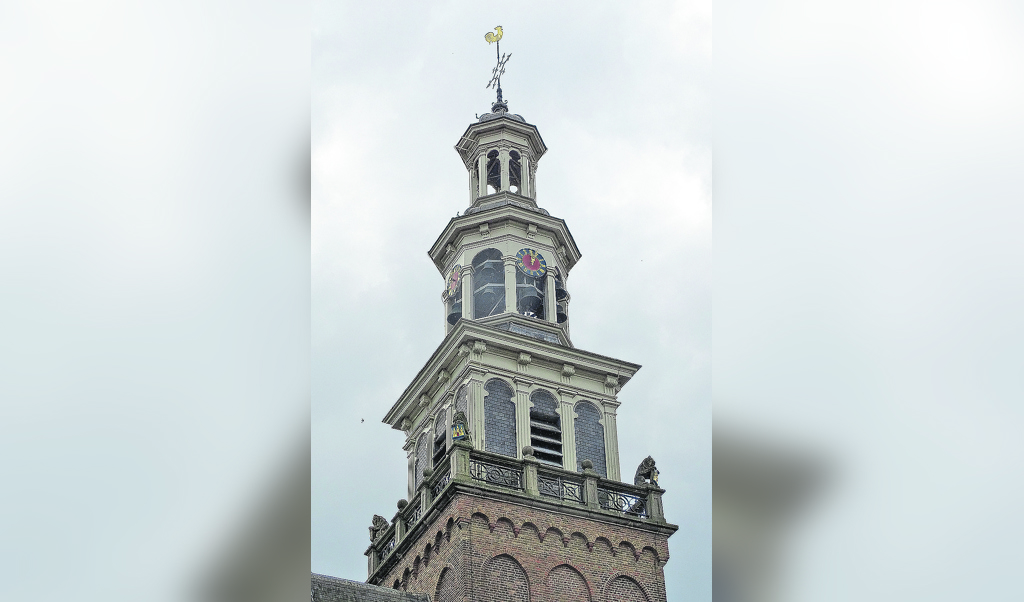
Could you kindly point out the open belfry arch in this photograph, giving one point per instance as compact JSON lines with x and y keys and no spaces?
{"x":515,"y":486}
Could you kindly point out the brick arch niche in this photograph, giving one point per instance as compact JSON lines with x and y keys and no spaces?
{"x":624,"y":589}
{"x":447,"y":587}
{"x":566,"y":584}
{"x":503,"y":580}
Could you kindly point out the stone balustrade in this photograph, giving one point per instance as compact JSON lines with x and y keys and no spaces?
{"x":471,"y":468}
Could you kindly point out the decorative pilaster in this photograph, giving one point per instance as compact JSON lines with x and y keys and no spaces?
{"x":655,"y":509}
{"x":533,"y":179}
{"x":510,"y":284}
{"x":481,"y":165}
{"x":503,"y":158}
{"x":460,"y":460}
{"x":476,"y":409}
{"x":444,"y":306}
{"x":590,"y":485}
{"x":372,"y":559}
{"x":411,"y":457}
{"x":530,"y":462}
{"x":611,"y":440}
{"x":525,"y":188}
{"x":446,"y":414}
{"x":522,"y":413}
{"x":523,"y":362}
{"x":467,"y":292}
{"x":568,"y":416}
{"x":550,"y":304}
{"x":399,"y":522}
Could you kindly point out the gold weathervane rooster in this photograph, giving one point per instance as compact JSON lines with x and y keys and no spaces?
{"x":499,"y":68}
{"x":493,"y":37}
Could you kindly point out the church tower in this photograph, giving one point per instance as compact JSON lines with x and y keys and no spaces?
{"x":515,"y":489}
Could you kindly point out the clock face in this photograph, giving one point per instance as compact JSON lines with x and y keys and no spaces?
{"x":531,"y":263}
{"x":454,"y":280}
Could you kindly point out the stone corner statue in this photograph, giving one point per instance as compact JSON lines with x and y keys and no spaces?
{"x":380,"y":524}
{"x":647,"y":472}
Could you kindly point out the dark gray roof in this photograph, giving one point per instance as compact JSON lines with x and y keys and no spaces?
{"x":324,"y":588}
{"x":490,"y":116}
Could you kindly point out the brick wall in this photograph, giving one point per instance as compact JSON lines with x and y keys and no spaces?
{"x":481,"y":549}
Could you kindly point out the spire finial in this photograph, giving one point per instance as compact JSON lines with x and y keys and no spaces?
{"x":500,"y":106}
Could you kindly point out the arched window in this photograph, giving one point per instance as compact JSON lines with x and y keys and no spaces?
{"x":546,"y":428}
{"x":493,"y":172}
{"x":515,"y":172}
{"x":475,"y":179}
{"x":589,"y":437}
{"x":422,"y":457}
{"x":561,"y":299}
{"x":440,"y":438}
{"x":530,"y":295}
{"x":454,"y":301}
{"x":499,"y":418}
{"x":462,"y":400}
{"x":488,"y":284}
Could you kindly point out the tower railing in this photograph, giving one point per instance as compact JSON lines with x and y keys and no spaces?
{"x":468,"y":467}
{"x":560,"y":486}
{"x":495,"y":469}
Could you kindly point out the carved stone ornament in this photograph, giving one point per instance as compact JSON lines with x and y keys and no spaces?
{"x":380,"y":525}
{"x":646,"y":473}
{"x":405,"y":425}
{"x":459,"y":429}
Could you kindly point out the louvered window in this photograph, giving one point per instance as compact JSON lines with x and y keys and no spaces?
{"x":545,"y":428}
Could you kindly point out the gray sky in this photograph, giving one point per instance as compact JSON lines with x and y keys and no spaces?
{"x":868,"y":290}
{"x":154,"y":313}
{"x":155,"y":316}
{"x":622,"y":99}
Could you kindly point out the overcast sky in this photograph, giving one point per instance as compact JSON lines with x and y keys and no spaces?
{"x":622,"y":99}
{"x":155,"y":300}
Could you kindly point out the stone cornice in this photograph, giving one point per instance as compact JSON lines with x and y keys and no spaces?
{"x":473,"y":333}
{"x":471,"y":223}
{"x":467,"y":145}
